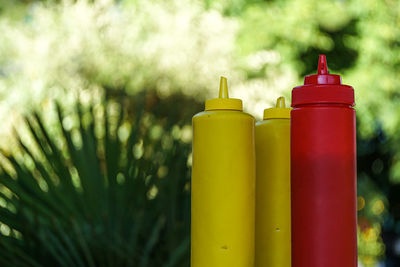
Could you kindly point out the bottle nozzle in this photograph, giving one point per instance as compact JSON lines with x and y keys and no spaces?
{"x":223,"y":102}
{"x":223,"y":88}
{"x":322,"y":65}
{"x":280,"y":111}
{"x":280,"y":102}
{"x":323,"y":76}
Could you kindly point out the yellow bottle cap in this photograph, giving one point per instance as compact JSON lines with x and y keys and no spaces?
{"x":279,"y":112}
{"x":223,"y":101}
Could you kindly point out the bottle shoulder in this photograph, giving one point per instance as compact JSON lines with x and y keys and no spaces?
{"x":323,"y":106}
{"x":270,"y":122}
{"x":222,"y":114}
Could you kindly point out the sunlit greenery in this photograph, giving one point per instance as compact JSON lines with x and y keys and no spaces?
{"x":173,"y":51}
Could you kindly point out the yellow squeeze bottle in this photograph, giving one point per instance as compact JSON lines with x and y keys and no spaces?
{"x":273,"y":227}
{"x":223,"y":184}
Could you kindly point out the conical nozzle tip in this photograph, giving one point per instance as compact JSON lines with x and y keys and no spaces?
{"x":322,"y":65}
{"x":280,"y":102}
{"x":223,"y":88}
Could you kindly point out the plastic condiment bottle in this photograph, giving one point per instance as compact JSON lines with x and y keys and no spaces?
{"x":223,"y":184}
{"x":323,"y":172}
{"x":273,"y":187}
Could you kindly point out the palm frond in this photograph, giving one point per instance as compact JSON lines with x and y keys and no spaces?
{"x":107,"y":191}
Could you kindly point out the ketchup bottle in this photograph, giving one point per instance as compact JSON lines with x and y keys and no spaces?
{"x":323,"y":172}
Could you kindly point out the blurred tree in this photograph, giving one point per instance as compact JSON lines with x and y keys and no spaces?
{"x":178,"y":48}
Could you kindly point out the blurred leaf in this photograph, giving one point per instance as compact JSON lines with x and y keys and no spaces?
{"x":96,"y":203}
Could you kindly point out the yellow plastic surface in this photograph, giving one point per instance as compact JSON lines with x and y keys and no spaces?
{"x":223,"y":101}
{"x":273,"y":230}
{"x":223,"y":189}
{"x":278,"y":112}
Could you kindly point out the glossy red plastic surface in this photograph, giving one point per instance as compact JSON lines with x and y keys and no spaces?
{"x":322,"y":88}
{"x":323,"y":175}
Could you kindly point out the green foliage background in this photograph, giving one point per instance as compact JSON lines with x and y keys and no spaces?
{"x":163,"y":58}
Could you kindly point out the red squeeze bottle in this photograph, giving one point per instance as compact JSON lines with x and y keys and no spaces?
{"x":323,"y":172}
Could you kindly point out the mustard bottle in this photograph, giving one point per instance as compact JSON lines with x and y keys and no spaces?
{"x":273,"y":226}
{"x":223,"y":184}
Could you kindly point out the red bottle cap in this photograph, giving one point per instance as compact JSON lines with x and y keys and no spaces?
{"x":323,"y":88}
